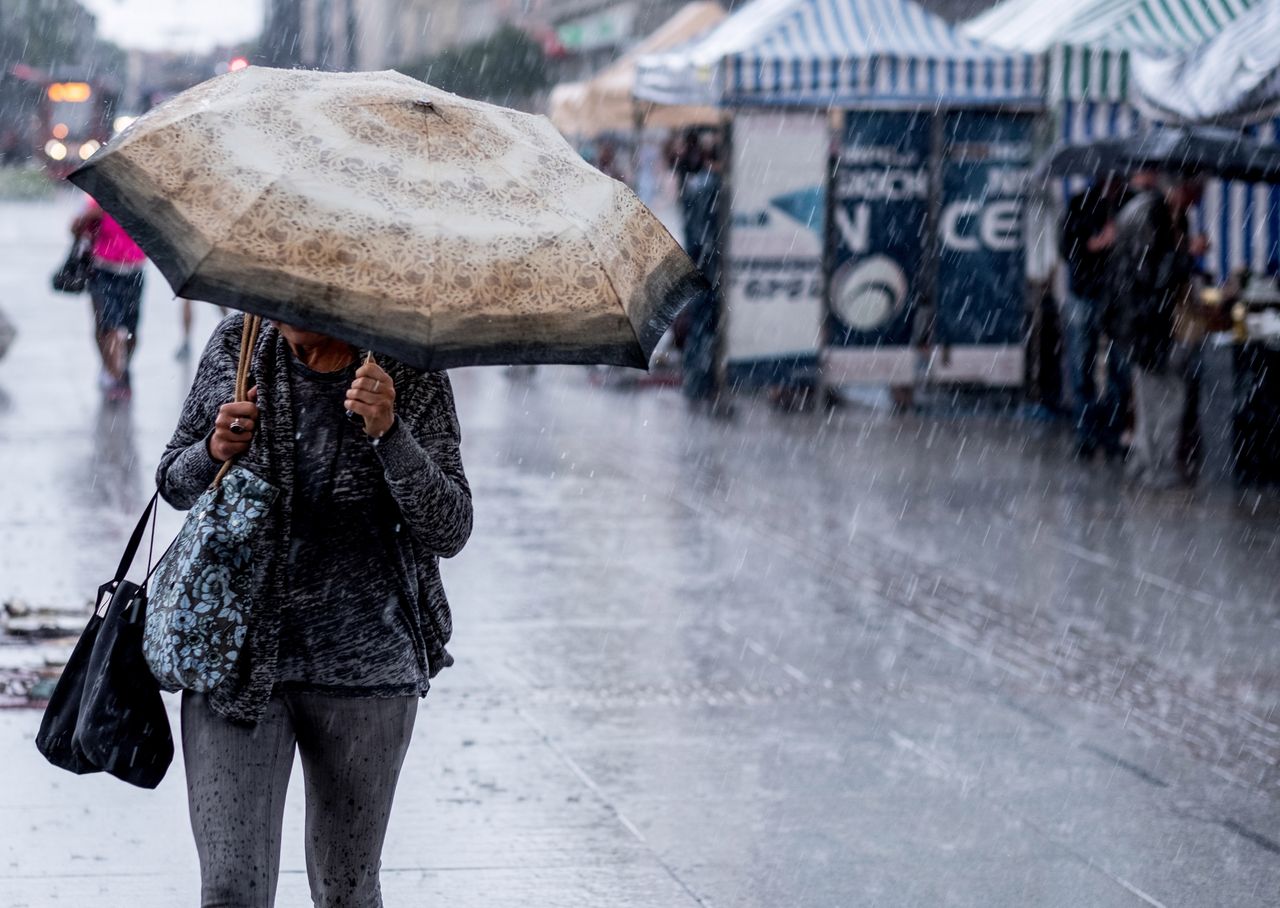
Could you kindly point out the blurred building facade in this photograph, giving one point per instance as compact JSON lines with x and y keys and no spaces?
{"x":46,"y":33}
{"x":590,"y":33}
{"x":372,"y":34}
{"x":580,"y":36}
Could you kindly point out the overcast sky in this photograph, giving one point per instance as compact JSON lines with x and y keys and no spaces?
{"x":177,"y":24}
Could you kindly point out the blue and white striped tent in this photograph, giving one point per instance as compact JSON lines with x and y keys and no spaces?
{"x":1088,"y":43}
{"x":1088,"y":48}
{"x":1232,"y":78}
{"x":838,"y":53}
{"x":1242,"y":221}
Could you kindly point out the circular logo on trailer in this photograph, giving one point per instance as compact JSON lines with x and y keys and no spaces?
{"x":867,"y":294}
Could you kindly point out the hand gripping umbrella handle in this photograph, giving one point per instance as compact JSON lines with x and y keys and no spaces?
{"x":351,"y":415}
{"x":248,"y":339}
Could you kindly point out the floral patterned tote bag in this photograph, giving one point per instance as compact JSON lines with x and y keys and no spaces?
{"x":197,"y":619}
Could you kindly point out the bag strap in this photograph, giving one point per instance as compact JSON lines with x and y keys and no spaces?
{"x":248,"y":338}
{"x":107,"y":589}
{"x":135,"y":540}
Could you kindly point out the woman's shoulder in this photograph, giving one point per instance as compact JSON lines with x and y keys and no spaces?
{"x":228,"y":332}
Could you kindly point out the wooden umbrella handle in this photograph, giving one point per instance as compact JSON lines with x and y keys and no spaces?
{"x":248,"y":339}
{"x":351,"y":415}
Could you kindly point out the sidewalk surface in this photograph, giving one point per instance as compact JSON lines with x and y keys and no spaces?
{"x":785,"y":660}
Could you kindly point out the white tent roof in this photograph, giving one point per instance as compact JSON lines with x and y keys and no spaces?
{"x":1234,"y":76}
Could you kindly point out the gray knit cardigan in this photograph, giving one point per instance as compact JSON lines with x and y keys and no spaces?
{"x":422,"y":465}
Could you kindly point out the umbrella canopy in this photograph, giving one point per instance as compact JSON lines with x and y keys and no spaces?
{"x":378,"y":209}
{"x":1199,"y":151}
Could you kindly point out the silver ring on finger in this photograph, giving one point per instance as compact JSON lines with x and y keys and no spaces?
{"x":236,"y":428}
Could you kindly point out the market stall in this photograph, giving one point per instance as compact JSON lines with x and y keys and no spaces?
{"x":1096,"y":55}
{"x":875,"y":160}
{"x":1233,"y":78}
{"x":605,"y":104}
{"x":1120,"y":68}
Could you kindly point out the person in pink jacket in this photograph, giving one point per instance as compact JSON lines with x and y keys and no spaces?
{"x":115,"y":286}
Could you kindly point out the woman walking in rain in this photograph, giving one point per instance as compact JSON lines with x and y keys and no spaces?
{"x":350,"y":618}
{"x":115,"y":286}
{"x":301,"y":607}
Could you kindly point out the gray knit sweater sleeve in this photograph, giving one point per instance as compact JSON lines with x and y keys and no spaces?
{"x":186,"y":469}
{"x":422,"y":464}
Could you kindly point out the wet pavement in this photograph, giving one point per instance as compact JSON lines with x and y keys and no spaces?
{"x":812,"y":659}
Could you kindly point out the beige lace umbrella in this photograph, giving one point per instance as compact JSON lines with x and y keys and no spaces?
{"x":402,"y":218}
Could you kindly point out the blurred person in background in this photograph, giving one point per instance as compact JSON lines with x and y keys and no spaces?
{"x":115,"y":287}
{"x":183,"y":352}
{"x":1152,"y":267}
{"x":684,"y":156}
{"x":700,"y":202}
{"x":1088,"y":233}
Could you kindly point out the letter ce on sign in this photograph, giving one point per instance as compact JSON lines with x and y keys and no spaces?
{"x":999,"y":226}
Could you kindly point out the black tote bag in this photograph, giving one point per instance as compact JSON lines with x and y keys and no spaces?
{"x":73,"y":276}
{"x":106,"y":713}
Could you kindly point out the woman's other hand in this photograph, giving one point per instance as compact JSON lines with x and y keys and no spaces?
{"x":233,"y":429}
{"x":373,"y":396}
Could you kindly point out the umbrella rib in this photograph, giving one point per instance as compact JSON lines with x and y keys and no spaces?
{"x":586,"y":234}
{"x":235,"y":222}
{"x":612,"y":286}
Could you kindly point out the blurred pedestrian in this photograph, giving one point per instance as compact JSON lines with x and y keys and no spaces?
{"x":1152,"y":266}
{"x":700,"y":201}
{"x":7,"y":333}
{"x":115,"y":287}
{"x":1088,"y":232}
{"x":183,"y":352}
{"x":685,"y":156}
{"x":349,"y":617}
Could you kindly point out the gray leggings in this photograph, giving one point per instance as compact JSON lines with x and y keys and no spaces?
{"x":352,"y":750}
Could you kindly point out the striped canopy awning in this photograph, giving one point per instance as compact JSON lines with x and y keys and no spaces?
{"x":1232,"y":78}
{"x":1088,"y":43}
{"x":837,"y":53}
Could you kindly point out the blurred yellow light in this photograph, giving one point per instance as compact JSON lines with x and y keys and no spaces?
{"x":55,"y":149}
{"x":120,"y":124}
{"x":70,"y":91}
{"x":88,"y":148}
{"x":60,"y":130}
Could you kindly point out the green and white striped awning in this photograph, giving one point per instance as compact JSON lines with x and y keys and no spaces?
{"x":1088,"y":43}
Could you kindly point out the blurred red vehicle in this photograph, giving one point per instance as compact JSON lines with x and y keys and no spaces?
{"x":59,"y":118}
